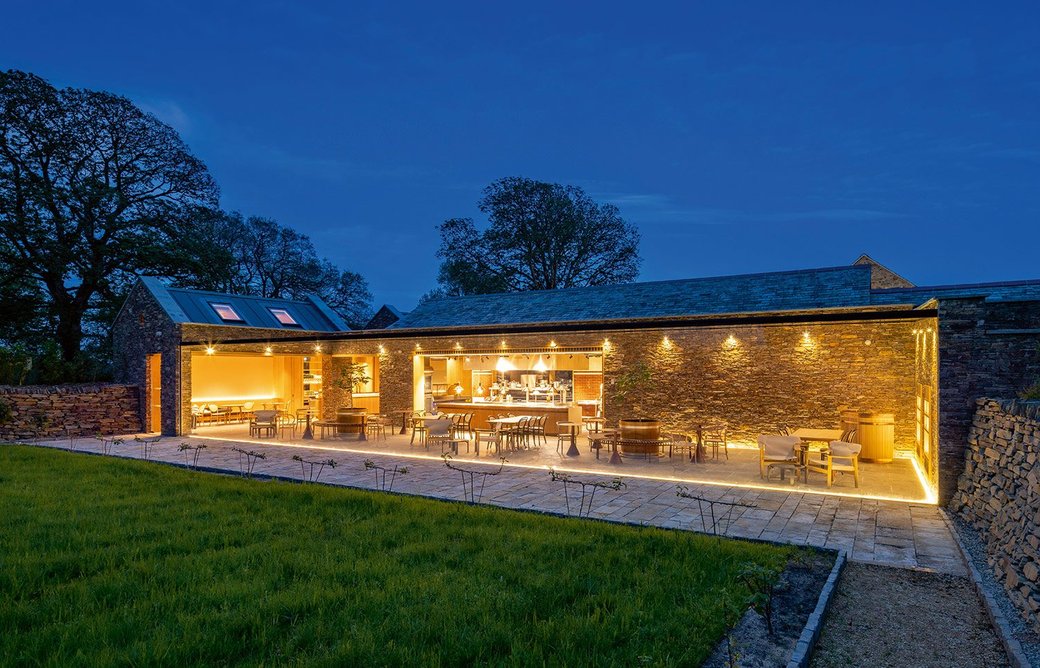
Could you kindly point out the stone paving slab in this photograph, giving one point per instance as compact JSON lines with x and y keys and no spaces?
{"x":889,"y":533}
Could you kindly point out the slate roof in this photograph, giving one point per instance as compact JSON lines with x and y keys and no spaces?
{"x":835,"y":287}
{"x":195,"y":307}
{"x":387,"y":315}
{"x":1002,"y":292}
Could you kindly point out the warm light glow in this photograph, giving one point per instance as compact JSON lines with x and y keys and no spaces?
{"x":268,"y":351}
{"x":458,"y":346}
{"x":503,"y":343}
{"x":929,"y":492}
{"x":806,"y":337}
{"x":503,"y":365}
{"x":552,"y":344}
{"x":666,"y":343}
{"x":731,"y":341}
{"x":540,"y":365}
{"x":237,"y":399}
{"x":317,"y":347}
{"x":698,"y":480}
{"x":382,"y":350}
{"x":210,"y":350}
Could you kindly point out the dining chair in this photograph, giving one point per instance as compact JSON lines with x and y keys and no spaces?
{"x":264,"y":421}
{"x":714,"y":436}
{"x":439,"y":432}
{"x":777,"y":451}
{"x":838,"y":457}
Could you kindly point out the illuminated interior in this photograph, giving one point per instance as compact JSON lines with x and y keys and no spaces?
{"x":553,"y":376}
{"x":238,"y":382}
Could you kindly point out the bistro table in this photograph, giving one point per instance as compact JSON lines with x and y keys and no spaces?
{"x":593,"y":424}
{"x":405,"y":414}
{"x":810,"y":436}
{"x":307,"y":413}
{"x":573,"y":429}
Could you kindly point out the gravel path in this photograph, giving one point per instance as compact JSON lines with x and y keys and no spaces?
{"x":896,"y":617}
{"x":976,"y":548}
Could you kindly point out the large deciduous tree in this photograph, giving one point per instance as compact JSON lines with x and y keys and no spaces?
{"x":257,"y":256}
{"x":88,"y":186}
{"x":540,"y":236}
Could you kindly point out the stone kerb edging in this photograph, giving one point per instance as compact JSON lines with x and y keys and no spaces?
{"x":996,"y":616}
{"x":811,"y":632}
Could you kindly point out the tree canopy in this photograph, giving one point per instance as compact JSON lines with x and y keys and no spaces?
{"x":94,"y":191}
{"x":540,"y":236}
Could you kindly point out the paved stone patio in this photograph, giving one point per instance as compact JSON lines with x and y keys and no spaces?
{"x":896,"y":480}
{"x":891,"y":533}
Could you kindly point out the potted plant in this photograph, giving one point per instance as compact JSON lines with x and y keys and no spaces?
{"x":636,"y":428}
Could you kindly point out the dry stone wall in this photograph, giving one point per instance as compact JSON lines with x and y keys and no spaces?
{"x":999,"y":495}
{"x":46,"y":411}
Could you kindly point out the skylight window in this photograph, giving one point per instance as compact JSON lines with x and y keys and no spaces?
{"x":226,"y":313}
{"x":284,"y":317}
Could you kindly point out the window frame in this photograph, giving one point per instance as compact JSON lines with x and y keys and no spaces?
{"x":216,"y":306}
{"x":274,"y":311}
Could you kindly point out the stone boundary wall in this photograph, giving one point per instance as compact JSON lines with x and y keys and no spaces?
{"x":87,"y":409}
{"x":999,"y":495}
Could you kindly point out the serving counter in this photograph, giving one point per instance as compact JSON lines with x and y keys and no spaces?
{"x":483,"y":410}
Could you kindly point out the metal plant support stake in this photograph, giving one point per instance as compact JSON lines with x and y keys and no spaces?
{"x":727,"y":517}
{"x":68,"y":434}
{"x":146,"y":445}
{"x":381,"y":472}
{"x":247,"y":461}
{"x":309,"y":473}
{"x":468,"y":488}
{"x":587,"y":496}
{"x":107,"y":443}
{"x":196,"y":451}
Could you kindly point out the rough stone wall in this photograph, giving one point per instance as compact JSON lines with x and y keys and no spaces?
{"x":772,"y":375}
{"x":999,"y":495}
{"x":142,"y":328}
{"x":757,"y":378}
{"x":986,"y":349}
{"x":85,"y":409}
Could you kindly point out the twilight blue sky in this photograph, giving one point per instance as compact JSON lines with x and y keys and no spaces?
{"x":740,"y":137}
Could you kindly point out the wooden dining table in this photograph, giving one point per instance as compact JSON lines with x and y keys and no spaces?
{"x":811,"y":436}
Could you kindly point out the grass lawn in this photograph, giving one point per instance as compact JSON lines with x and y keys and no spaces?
{"x":107,"y":561}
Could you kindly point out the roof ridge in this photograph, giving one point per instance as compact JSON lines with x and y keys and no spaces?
{"x":612,"y":286}
{"x":961,"y":286}
{"x":237,"y":296}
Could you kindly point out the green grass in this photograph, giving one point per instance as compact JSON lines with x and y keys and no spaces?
{"x":113,"y":562}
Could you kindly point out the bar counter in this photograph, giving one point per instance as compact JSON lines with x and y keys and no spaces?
{"x":482,"y":410}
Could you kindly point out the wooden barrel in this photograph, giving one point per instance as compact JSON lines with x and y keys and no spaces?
{"x":350,"y":420}
{"x":849,"y":419}
{"x":640,"y":435}
{"x":641,"y":429}
{"x":876,"y":432}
